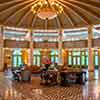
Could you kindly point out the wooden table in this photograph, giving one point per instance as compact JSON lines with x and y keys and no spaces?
{"x":75,"y":76}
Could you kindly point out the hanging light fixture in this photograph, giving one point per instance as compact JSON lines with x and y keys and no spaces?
{"x":47,"y":9}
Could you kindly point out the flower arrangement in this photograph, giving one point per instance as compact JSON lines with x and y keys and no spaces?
{"x":46,"y":61}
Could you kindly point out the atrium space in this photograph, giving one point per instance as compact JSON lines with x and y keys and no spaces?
{"x":49,"y":49}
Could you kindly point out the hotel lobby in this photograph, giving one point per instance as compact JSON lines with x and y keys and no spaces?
{"x":49,"y":49}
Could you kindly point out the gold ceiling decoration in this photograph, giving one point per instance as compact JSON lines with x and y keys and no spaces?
{"x":47,"y":9}
{"x":76,"y":13}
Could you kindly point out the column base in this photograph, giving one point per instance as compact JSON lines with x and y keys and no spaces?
{"x":60,"y":66}
{"x":91,"y":75}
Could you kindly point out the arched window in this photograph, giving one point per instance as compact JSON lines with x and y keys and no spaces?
{"x":37,"y":58}
{"x":54,"y":56}
{"x":17,"y":58}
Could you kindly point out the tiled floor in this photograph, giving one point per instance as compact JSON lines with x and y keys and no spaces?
{"x":11,"y":90}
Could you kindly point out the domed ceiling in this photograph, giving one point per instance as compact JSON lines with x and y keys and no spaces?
{"x":76,"y":13}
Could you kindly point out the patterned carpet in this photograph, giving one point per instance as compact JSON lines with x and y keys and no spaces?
{"x":11,"y":90}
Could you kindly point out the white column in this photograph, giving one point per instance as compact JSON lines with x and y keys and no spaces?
{"x":1,"y":49}
{"x":90,"y":53}
{"x":60,"y":44}
{"x":30,"y":47}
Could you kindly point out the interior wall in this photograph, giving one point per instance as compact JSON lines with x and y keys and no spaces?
{"x":8,"y":57}
{"x":46,"y":45}
{"x":16,"y":44}
{"x":50,"y":45}
{"x":75,"y":44}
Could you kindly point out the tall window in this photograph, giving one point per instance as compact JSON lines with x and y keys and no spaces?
{"x":86,"y":55}
{"x":54,"y":56}
{"x":83,"y":58}
{"x":78,"y":58}
{"x":37,"y":58}
{"x":69,"y":58}
{"x":96,"y":61}
{"x":17,"y":58}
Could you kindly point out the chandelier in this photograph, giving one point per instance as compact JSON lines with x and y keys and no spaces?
{"x":47,"y":9}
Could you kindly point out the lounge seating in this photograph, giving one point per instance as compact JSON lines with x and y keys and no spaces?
{"x":49,"y":77}
{"x":26,"y":75}
{"x":72,"y":75}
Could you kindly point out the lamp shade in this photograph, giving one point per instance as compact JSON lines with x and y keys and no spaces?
{"x":47,"y":13}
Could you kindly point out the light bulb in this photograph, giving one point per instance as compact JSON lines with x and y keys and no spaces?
{"x":52,"y":3}
{"x":46,"y":2}
{"x":39,"y":3}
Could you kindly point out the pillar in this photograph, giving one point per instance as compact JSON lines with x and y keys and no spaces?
{"x":8,"y":56}
{"x":1,"y":49}
{"x":60,"y":44}
{"x":30,"y":47}
{"x":99,"y":57}
{"x":90,"y":53}
{"x":66,"y":58}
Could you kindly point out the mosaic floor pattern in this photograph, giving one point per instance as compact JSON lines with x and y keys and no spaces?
{"x":11,"y":90}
